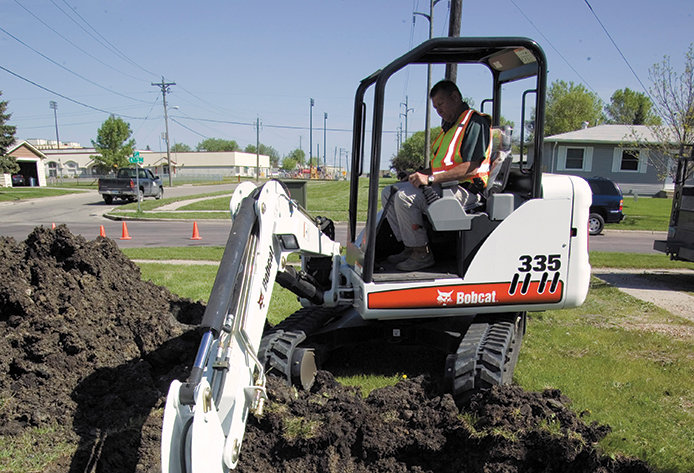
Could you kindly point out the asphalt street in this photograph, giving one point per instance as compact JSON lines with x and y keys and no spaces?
{"x":83,"y":214}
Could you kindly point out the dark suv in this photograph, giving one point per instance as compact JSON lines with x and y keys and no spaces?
{"x":607,"y":204}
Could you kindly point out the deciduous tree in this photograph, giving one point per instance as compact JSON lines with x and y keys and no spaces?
{"x":180,"y":148}
{"x":569,"y":105}
{"x":114,"y":144}
{"x":410,"y":158}
{"x":217,"y":144}
{"x":267,"y":151}
{"x":628,"y":107}
{"x":673,"y":94}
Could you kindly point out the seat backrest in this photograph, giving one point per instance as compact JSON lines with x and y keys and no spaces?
{"x":498,"y":174}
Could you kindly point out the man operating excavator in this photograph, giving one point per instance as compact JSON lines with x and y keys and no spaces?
{"x":461,"y":152}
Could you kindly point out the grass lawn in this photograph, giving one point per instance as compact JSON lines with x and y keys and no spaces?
{"x":21,"y":193}
{"x":331,"y":199}
{"x":623,"y":362}
{"x":644,"y":213}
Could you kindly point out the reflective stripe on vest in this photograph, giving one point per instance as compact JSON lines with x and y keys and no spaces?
{"x":446,"y":149}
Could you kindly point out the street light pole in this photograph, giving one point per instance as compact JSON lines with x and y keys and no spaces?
{"x":325,"y":122}
{"x":427,"y":125}
{"x":310,"y":141}
{"x":165,"y":86}
{"x":54,"y":105}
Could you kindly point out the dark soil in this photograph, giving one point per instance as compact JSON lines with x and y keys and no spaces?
{"x":88,"y":350}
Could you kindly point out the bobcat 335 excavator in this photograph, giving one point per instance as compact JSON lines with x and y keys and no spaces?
{"x":525,"y":249}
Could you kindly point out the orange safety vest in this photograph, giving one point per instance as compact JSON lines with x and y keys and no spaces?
{"x":445,"y":149}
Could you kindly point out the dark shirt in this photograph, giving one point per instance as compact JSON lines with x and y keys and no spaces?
{"x":476,"y":138}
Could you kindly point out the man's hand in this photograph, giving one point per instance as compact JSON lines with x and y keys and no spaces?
{"x":418,"y":179}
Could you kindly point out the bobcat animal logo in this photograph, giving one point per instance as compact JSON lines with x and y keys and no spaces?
{"x":444,"y":297}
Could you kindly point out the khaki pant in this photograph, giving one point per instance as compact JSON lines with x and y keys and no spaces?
{"x":405,"y":214}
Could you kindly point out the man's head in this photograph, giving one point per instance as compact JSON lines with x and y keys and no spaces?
{"x":447,"y":100}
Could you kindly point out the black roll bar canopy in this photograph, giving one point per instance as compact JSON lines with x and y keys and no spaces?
{"x":508,"y":58}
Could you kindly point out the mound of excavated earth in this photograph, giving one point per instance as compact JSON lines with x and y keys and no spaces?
{"x":88,"y":350}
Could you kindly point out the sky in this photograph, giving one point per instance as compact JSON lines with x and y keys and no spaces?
{"x":236,"y":63}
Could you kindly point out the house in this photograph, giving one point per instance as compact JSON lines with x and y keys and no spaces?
{"x":31,"y":163}
{"x":610,"y":151}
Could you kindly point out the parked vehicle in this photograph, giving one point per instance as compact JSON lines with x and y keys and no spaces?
{"x":125,"y":185}
{"x":680,"y":236}
{"x":18,"y":180}
{"x":607,"y":204}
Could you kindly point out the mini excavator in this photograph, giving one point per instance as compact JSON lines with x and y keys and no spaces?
{"x":525,"y":249}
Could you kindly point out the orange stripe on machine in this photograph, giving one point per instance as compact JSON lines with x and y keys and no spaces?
{"x":465,"y":295}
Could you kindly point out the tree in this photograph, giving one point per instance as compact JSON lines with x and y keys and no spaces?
{"x":288,"y":163}
{"x":628,"y":107}
{"x":410,"y":158}
{"x":297,"y":155}
{"x":113,"y":145}
{"x":180,"y":148}
{"x":673,"y":95}
{"x":569,"y":106}
{"x":267,"y":151}
{"x":6,"y":131}
{"x":217,"y":144}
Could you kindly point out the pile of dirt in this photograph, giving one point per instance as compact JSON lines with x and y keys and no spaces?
{"x":88,"y":349}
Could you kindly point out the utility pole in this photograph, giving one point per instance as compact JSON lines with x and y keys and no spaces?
{"x":407,"y":111}
{"x":310,"y":142}
{"x":54,"y":105}
{"x":165,"y":86}
{"x":454,"y":31}
{"x":257,"y":149}
{"x":427,"y":125}
{"x":325,"y":122}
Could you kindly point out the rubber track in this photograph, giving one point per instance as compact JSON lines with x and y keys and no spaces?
{"x":279,"y":342}
{"x":481,"y":357}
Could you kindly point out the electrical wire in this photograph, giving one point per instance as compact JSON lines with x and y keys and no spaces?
{"x":583,"y":80}
{"x":68,"y":69}
{"x":105,"y":43}
{"x":614,"y":43}
{"x":75,"y":45}
{"x":66,"y":97}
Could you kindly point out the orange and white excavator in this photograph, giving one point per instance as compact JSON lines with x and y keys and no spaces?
{"x":525,"y":249}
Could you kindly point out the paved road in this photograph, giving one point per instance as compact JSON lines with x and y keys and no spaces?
{"x":83,"y":214}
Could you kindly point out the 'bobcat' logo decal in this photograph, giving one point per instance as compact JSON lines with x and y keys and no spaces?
{"x":444,"y":298}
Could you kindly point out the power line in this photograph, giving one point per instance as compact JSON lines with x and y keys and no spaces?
{"x":68,"y":69}
{"x":66,"y":97}
{"x":105,"y":43}
{"x":73,"y":44}
{"x":619,"y":50}
{"x":552,"y":46}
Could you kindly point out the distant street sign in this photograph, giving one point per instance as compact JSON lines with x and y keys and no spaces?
{"x":136,"y":159}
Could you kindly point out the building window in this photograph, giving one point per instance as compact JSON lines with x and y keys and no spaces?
{"x":52,"y":169}
{"x":575,"y":158}
{"x":630,"y":160}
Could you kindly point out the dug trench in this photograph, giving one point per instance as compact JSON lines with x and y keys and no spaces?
{"x":88,"y":350}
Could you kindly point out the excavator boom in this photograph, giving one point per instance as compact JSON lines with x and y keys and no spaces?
{"x":205,"y":417}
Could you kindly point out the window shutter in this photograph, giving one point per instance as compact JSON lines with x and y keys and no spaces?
{"x":588,"y":159}
{"x":616,"y":159}
{"x":561,"y":159}
{"x":643,"y":161}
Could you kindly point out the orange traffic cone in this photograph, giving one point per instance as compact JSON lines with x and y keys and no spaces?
{"x":102,"y":231}
{"x":125,"y":236}
{"x":53,"y":226}
{"x":196,"y":233}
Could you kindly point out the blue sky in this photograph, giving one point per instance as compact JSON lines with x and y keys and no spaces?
{"x":237,"y":61}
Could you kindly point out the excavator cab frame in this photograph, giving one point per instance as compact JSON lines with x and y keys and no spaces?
{"x":509,"y":59}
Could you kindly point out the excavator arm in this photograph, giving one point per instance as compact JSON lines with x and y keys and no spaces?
{"x":205,"y":416}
